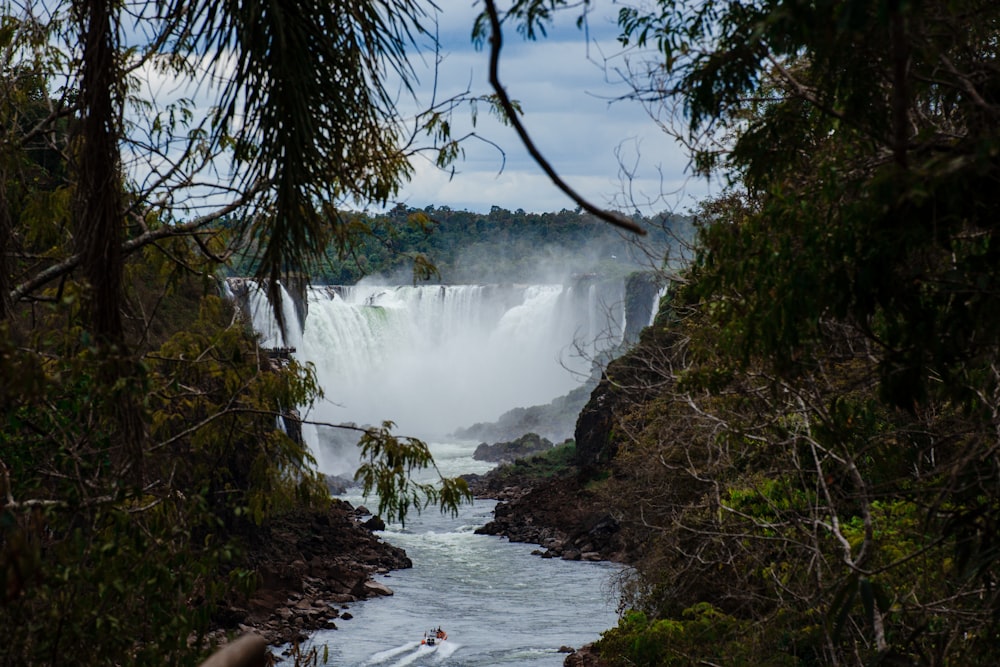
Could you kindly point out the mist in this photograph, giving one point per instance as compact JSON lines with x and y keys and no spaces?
{"x":439,"y":357}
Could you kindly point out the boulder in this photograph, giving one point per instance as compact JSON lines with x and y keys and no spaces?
{"x":374,"y":523}
{"x":585,"y":657}
{"x":506,"y":452}
{"x":375,"y":588}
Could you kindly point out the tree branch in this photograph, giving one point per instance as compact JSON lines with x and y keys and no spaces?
{"x":496,"y":42}
{"x":128,"y":247}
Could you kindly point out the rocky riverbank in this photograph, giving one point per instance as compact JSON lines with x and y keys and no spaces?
{"x":311,"y":566}
{"x":560,"y":515}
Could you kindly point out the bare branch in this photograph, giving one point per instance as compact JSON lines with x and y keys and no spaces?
{"x":130,"y":246}
{"x":496,"y":42}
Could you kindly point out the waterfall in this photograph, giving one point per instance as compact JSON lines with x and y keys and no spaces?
{"x":435,"y":358}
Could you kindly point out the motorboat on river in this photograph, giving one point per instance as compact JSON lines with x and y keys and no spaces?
{"x":433,"y":637}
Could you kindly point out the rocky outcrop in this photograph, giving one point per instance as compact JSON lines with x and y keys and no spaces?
{"x":561,"y":516}
{"x":296,"y":284}
{"x":627,"y":381}
{"x":584,"y":657}
{"x":557,"y":419}
{"x":310,"y":567}
{"x":506,"y":452}
{"x":554,"y":420}
{"x":641,"y":291}
{"x":594,"y":426}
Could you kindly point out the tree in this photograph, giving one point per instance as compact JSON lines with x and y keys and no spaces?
{"x":139,"y":440}
{"x":822,"y":425}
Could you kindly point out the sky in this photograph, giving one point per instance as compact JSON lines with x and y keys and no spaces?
{"x":573,"y":111}
{"x":569,"y":99}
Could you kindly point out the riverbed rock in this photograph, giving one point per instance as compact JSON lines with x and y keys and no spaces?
{"x":506,"y":452}
{"x":374,"y":523}
{"x":562,"y":515}
{"x":586,"y":656}
{"x":374,"y":588}
{"x":309,"y":565}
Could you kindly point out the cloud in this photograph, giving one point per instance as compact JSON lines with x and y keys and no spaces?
{"x":573,"y":111}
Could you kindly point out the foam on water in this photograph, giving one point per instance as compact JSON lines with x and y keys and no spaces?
{"x":498,"y":603}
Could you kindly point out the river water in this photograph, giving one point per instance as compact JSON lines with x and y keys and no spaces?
{"x":499,"y":604}
{"x":432,"y":358}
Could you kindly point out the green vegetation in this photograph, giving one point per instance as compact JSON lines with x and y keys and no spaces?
{"x":95,"y":561}
{"x":550,"y":463}
{"x":806,"y":444}
{"x":441,"y":244}
{"x":140,"y":448}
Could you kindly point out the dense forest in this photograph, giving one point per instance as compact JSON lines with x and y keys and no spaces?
{"x":439,"y":244}
{"x":141,"y":453}
{"x":805,"y":443}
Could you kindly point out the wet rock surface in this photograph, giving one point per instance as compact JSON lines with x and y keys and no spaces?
{"x":559,"y":514}
{"x":564,"y":518}
{"x":584,"y":657}
{"x":505,"y":452}
{"x":311,"y":566}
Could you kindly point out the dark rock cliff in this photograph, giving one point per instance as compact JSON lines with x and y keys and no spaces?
{"x":564,"y":514}
{"x":310,"y":566}
{"x":558,"y":419}
{"x":641,"y":290}
{"x":627,"y":381}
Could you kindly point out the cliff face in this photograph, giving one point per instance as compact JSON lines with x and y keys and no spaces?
{"x":559,"y":514}
{"x":641,"y":290}
{"x":566,"y":514}
{"x":239,"y":290}
{"x":559,"y":419}
{"x":627,"y":381}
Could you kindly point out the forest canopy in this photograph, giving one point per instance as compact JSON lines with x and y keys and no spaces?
{"x":811,"y":442}
{"x":437,"y":243}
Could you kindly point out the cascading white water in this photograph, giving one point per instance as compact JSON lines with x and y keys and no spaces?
{"x":435,"y":358}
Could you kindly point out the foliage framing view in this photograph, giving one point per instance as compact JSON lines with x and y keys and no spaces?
{"x":140,"y":440}
{"x":808,"y":440}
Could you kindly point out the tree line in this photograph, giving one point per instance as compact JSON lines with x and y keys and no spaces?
{"x":439,"y":244}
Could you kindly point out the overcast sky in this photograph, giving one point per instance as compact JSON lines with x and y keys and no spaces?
{"x":567,"y":97}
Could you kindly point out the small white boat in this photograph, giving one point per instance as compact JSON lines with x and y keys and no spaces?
{"x":433,"y":637}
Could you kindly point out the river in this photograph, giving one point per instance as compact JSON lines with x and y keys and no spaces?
{"x":433,"y":358}
{"x":499,"y":604}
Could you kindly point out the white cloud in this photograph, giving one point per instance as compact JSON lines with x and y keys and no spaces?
{"x":570,"y":114}
{"x":569,"y":110}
